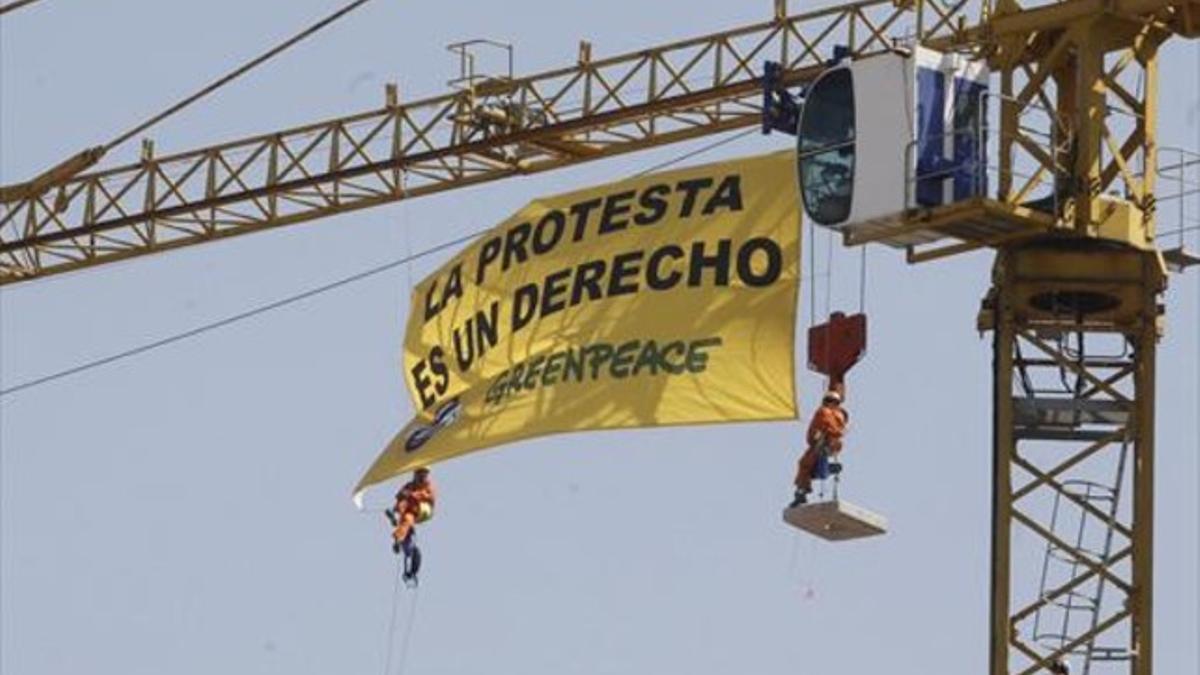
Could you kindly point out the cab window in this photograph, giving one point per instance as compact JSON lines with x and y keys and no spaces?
{"x":826,"y":148}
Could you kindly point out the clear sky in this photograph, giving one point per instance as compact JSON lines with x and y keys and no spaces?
{"x":188,"y":511}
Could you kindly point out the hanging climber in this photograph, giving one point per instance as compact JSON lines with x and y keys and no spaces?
{"x":824,"y":439}
{"x":414,"y":504}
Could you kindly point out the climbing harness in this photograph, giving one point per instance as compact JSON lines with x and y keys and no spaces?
{"x":826,"y":467}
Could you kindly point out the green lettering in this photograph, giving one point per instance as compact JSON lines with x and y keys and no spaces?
{"x":647,"y":358}
{"x":697,"y":358}
{"x":623,"y":359}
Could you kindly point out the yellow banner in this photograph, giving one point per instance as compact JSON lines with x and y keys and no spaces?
{"x":658,"y":300}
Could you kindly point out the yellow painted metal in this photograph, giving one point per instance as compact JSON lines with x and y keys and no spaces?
{"x":1094,"y":270}
{"x":1142,"y":604}
{"x":503,"y":128}
{"x":1090,"y":69}
{"x":1098,"y":289}
{"x":1003,"y":219}
{"x":594,"y":109}
{"x":1002,"y":448}
{"x":1009,"y":18}
{"x":56,"y":175}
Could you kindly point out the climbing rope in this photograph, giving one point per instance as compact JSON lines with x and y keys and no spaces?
{"x":804,"y":576}
{"x":391,"y":632}
{"x":812,"y":265}
{"x":828,"y":309}
{"x":408,"y":629}
{"x":828,"y":274}
{"x":402,"y":562}
{"x":862,"y":281}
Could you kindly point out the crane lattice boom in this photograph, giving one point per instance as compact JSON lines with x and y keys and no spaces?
{"x":490,"y":130}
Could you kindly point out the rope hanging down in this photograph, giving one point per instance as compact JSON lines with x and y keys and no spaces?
{"x":829,"y":273}
{"x":829,"y":276}
{"x":862,"y":281}
{"x":408,"y":629}
{"x":391,"y":632}
{"x":5,"y":9}
{"x":812,"y":265}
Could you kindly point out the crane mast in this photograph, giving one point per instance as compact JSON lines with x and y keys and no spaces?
{"x":1084,"y":307}
{"x":1080,"y":303}
{"x":1075,"y":307}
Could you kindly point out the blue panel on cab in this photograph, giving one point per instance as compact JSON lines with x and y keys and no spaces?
{"x":931,"y":136}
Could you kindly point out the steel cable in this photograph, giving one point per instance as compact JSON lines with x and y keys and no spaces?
{"x":5,"y":9}
{"x":261,"y":309}
{"x":240,"y":316}
{"x":236,"y":73}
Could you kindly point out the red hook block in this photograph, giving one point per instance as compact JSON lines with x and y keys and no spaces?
{"x":836,"y":345}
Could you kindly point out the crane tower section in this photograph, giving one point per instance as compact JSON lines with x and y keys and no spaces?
{"x":1055,"y":169}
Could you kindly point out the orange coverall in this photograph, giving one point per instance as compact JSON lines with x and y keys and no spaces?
{"x":826,"y":430}
{"x":408,"y":505}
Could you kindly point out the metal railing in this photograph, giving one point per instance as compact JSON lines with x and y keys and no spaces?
{"x":974,"y":167}
{"x":1178,"y":195}
{"x":1038,"y":189}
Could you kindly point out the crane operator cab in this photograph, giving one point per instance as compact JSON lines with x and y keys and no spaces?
{"x":877,"y":138}
{"x":882,"y":135}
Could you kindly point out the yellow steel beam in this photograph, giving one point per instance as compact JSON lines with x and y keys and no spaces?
{"x":591,"y":110}
{"x":1011,"y":19}
{"x":1100,"y":603}
{"x":594,"y":109}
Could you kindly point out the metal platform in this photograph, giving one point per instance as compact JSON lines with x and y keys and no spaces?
{"x":835,"y":520}
{"x":1178,"y":259}
{"x":975,"y":222}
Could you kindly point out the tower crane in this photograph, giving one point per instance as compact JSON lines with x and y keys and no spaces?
{"x":1075,"y":308}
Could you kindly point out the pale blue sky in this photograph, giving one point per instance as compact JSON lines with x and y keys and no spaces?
{"x":188,"y":511}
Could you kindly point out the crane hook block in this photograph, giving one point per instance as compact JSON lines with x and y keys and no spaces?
{"x":835,"y":520}
{"x":836,"y":345}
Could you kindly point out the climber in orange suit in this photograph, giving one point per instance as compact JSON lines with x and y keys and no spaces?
{"x":414,"y":504}
{"x":824,"y":439}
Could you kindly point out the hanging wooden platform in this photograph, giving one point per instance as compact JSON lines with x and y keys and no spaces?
{"x":836,"y":520}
